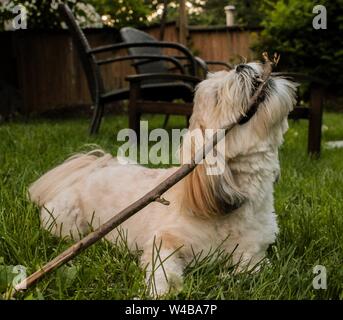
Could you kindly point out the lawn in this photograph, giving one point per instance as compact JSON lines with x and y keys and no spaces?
{"x":308,"y":203}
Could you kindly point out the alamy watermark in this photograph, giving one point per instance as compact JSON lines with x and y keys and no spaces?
{"x":20,"y":272}
{"x":320,"y":280}
{"x":19,"y":21}
{"x":320,"y":20}
{"x":154,"y":147}
{"x":13,"y":276}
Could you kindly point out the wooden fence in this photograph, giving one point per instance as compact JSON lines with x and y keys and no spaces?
{"x":45,"y":71}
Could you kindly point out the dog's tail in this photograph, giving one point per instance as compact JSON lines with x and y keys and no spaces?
{"x":65,"y":175}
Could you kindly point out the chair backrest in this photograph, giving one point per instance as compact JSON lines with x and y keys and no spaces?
{"x":131,"y":35}
{"x":90,"y":67}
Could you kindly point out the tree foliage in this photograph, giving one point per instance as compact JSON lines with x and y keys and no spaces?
{"x":44,"y":14}
{"x":288,"y":30}
{"x":248,"y":12}
{"x":121,"y":13}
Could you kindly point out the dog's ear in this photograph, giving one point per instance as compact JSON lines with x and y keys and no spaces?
{"x":273,"y":110}
{"x":207,"y":196}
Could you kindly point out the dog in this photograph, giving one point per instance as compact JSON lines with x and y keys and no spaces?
{"x":234,"y":210}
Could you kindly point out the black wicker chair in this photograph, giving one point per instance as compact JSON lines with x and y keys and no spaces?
{"x":147,"y":57}
{"x":143,"y":66}
{"x":171,"y":89}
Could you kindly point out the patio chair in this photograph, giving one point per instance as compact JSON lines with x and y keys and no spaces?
{"x":149,"y":59}
{"x":147,"y":66}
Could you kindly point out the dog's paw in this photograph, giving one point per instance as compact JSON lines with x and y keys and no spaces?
{"x":159,"y":286}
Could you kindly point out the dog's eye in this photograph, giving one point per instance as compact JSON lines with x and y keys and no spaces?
{"x":256,"y":82}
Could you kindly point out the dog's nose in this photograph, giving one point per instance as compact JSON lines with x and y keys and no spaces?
{"x":240,"y":67}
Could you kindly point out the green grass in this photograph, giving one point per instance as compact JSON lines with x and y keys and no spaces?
{"x":308,"y":203}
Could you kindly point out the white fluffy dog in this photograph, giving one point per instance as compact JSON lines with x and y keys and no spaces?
{"x":204,"y":210}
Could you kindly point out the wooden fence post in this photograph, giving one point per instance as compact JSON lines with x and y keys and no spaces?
{"x":183,"y":24}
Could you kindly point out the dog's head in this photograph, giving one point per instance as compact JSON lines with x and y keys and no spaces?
{"x":224,"y":96}
{"x":220,"y":101}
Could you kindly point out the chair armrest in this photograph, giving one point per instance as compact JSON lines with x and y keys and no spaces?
{"x":202,"y":64}
{"x":157,"y":44}
{"x":162,"y":76}
{"x":222,"y":63}
{"x":148,"y":58}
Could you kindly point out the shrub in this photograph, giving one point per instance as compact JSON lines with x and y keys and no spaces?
{"x":288,"y":30}
{"x":43,"y":14}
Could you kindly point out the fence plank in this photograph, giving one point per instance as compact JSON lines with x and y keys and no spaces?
{"x":50,"y":74}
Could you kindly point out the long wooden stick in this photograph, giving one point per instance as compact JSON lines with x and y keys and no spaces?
{"x":153,"y":195}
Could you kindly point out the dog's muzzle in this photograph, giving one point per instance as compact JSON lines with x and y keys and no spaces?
{"x":256,"y":80}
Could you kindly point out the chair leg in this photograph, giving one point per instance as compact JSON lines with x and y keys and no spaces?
{"x":96,"y":120}
{"x":166,"y":119}
{"x":134,"y":120}
{"x":315,"y":121}
{"x":134,"y":114}
{"x":187,"y":121}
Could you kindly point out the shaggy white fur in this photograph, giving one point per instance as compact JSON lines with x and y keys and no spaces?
{"x":90,"y":188}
